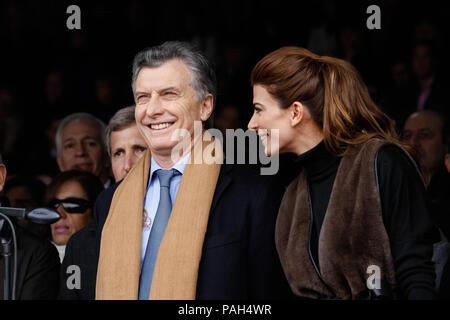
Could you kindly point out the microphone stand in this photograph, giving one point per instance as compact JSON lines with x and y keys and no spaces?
{"x":6,"y":252}
{"x":38,"y":215}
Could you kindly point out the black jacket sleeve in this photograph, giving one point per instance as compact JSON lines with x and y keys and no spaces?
{"x":38,"y":269}
{"x":408,"y":223}
{"x":66,"y":293}
{"x":270,"y":281}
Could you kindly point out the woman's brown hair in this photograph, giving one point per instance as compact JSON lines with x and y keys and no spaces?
{"x":332,"y":91}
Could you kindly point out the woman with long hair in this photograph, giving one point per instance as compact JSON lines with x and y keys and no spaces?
{"x":353,"y":222}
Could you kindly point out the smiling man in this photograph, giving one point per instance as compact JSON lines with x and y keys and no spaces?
{"x":176,"y":229}
{"x":80,"y":146}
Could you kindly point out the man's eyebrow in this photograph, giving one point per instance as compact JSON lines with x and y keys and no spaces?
{"x":169,"y":88}
{"x":68,"y":139}
{"x":90,"y":137}
{"x":159,"y":90}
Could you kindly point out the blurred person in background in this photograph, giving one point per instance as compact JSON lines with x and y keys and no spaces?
{"x":72,"y":193}
{"x":431,"y":88}
{"x":425,"y":131}
{"x":125,"y":146}
{"x":228,"y":117}
{"x":124,"y":142}
{"x":104,"y":101}
{"x":444,"y":288}
{"x":399,"y":91}
{"x":27,"y":192}
{"x":37,"y":261}
{"x":11,"y":125}
{"x":80,"y":145}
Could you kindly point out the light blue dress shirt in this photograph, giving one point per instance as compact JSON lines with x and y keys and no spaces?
{"x":151,"y":199}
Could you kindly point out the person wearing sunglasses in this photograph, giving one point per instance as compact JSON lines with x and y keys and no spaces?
{"x":72,"y":193}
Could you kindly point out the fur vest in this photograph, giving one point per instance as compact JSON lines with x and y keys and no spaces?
{"x":352,"y":239}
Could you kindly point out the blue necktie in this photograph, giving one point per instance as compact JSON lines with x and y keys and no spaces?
{"x":157,"y":232}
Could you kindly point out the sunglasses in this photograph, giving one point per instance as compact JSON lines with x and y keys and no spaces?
{"x":71,"y":205}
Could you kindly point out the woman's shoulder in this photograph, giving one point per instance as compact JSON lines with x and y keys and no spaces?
{"x":394,"y":161}
{"x":390,"y":152}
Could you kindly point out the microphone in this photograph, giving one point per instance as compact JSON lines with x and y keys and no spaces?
{"x":38,"y":215}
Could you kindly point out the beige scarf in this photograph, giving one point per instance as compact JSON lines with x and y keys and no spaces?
{"x":176,"y":270}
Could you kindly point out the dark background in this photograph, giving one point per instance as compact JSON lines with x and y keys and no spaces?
{"x":49,"y":71}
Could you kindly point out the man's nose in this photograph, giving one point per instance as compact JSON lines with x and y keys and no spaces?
{"x":129,"y":162}
{"x":80,"y":149}
{"x":415,"y":140}
{"x":154,"y":106}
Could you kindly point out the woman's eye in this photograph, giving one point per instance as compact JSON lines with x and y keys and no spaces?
{"x":118,"y":153}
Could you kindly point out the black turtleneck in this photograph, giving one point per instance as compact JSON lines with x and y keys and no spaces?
{"x":404,"y":209}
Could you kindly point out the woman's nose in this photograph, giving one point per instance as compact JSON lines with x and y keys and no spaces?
{"x":61,"y":212}
{"x":252,"y":124}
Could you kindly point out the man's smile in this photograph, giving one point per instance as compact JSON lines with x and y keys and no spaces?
{"x":160,"y":126}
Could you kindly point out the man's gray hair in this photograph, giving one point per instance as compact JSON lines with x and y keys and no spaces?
{"x":121,"y":119}
{"x":203,"y":77}
{"x":80,"y":116}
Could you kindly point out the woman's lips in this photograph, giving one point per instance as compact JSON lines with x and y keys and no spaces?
{"x":61,"y":229}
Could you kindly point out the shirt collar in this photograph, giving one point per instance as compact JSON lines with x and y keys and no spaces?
{"x":179,"y":166}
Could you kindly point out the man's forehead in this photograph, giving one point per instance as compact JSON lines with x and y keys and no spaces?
{"x":79,"y":128}
{"x":172,"y":73}
{"x":423,"y":121}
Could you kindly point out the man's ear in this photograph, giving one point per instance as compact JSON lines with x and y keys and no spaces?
{"x":207,"y":107}
{"x":60,"y":163}
{"x":447,"y":161}
{"x":2,"y":176}
{"x":297,"y":113}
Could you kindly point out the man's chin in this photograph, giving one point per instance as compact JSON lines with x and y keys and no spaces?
{"x":84,"y":167}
